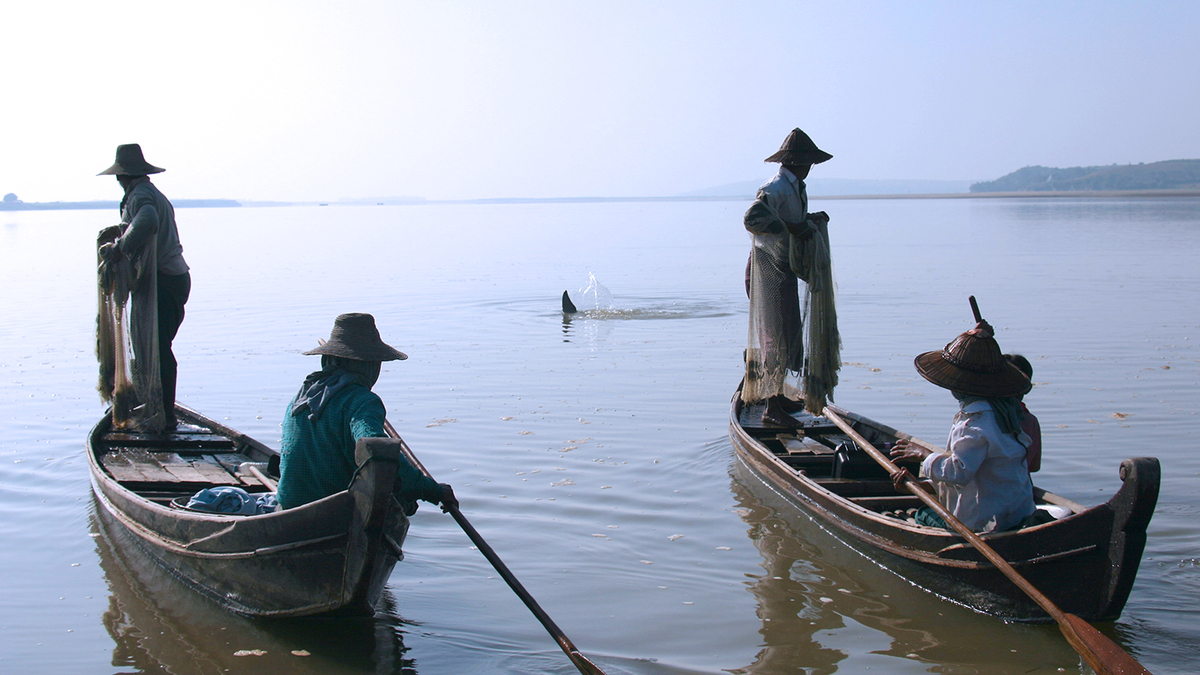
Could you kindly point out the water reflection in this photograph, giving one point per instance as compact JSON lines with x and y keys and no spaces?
{"x":825,"y":608}
{"x":158,"y":625}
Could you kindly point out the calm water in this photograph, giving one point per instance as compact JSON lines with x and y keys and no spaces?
{"x":592,"y":454}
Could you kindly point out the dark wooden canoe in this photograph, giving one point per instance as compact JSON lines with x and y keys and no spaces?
{"x":1085,"y":561}
{"x":332,"y":556}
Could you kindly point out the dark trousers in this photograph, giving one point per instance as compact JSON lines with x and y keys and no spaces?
{"x":173,"y":292}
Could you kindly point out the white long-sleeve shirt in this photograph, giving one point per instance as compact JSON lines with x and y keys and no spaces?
{"x":982,"y":478}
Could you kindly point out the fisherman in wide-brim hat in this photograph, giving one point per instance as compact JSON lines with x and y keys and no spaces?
{"x":982,"y":477}
{"x":333,"y":409}
{"x":147,"y":217}
{"x":789,"y":245}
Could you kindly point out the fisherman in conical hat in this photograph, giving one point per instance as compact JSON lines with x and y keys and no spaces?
{"x":148,"y":217}
{"x":789,"y":245}
{"x":333,"y":409}
{"x":982,"y":477}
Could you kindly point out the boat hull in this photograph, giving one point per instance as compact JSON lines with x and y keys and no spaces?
{"x":329,"y":557}
{"x":1085,"y":563}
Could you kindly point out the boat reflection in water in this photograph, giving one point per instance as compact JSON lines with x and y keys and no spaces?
{"x":825,"y":608}
{"x":160,"y":625}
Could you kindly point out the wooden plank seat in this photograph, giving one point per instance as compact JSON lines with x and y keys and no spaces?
{"x":181,"y":440}
{"x":133,"y":465}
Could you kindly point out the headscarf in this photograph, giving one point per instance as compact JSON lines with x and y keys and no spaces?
{"x":336,"y":373}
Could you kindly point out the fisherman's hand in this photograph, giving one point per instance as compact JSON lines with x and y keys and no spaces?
{"x":905,"y":450}
{"x":449,"y":501}
{"x":109,"y":252}
{"x":900,"y":477}
{"x":819,"y":217}
{"x":799,"y":229}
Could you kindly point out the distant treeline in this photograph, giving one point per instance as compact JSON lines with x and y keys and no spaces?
{"x":15,"y":205}
{"x":1175,"y":174}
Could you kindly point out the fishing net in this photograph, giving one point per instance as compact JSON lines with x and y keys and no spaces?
{"x":127,"y":335}
{"x":786,"y":335}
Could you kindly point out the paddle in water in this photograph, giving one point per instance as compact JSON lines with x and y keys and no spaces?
{"x":581,"y":662}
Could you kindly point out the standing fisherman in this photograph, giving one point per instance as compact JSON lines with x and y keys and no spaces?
{"x":790,"y":244}
{"x":147,"y":218}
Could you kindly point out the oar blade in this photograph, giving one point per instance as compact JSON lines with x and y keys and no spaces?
{"x":584,"y":664}
{"x":1102,"y":654}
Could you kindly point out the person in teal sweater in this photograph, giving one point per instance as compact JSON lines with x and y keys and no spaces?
{"x":333,"y":409}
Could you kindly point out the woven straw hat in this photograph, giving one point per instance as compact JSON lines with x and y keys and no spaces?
{"x":798,"y":148}
{"x":973,"y":364}
{"x":130,"y":163}
{"x":355,"y":336}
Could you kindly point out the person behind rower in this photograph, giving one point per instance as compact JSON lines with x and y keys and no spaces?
{"x":981,"y":478}
{"x":333,"y":409}
{"x":1029,"y":423}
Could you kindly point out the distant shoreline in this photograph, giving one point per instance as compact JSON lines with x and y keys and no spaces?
{"x":97,"y":205}
{"x":1028,"y":195}
{"x":230,"y":203}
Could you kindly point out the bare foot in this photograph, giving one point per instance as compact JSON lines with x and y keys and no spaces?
{"x":776,"y":415}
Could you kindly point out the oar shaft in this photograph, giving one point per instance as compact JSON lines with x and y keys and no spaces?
{"x":581,"y":662}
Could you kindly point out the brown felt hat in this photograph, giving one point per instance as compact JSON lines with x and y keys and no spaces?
{"x":130,"y":163}
{"x":355,"y":336}
{"x":973,"y":364}
{"x":798,"y":148}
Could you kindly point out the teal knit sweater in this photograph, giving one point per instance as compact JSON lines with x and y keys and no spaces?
{"x":317,"y":457}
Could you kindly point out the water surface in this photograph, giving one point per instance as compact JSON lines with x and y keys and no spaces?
{"x":592,"y":452}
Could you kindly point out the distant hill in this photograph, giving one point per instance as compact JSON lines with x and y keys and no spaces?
{"x":1176,"y":174}
{"x":835,"y":187}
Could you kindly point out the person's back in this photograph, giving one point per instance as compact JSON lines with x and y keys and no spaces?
{"x":317,"y":455}
{"x":983,"y":480}
{"x":333,"y":409}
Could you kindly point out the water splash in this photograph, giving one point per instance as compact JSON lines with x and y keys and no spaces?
{"x":595,"y":296}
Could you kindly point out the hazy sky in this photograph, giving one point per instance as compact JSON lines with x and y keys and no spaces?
{"x":310,"y":101}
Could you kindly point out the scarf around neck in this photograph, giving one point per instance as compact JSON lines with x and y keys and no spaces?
{"x":336,"y":373}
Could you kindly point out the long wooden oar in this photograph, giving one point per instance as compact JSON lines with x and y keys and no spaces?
{"x":581,"y":662}
{"x":1102,"y":654}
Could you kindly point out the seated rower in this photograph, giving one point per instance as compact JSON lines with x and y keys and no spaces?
{"x":981,"y":478}
{"x":333,"y":409}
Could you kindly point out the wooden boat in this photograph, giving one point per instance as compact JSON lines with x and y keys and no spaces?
{"x":330,"y":557}
{"x":1085,"y":561}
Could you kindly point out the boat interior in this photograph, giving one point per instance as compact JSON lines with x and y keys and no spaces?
{"x":170,"y":468}
{"x":827,"y":456}
{"x":818,"y":449}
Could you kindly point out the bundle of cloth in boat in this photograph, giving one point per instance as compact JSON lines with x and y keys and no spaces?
{"x":233,"y":500}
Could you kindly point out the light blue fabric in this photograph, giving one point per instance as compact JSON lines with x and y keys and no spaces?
{"x":232,"y":500}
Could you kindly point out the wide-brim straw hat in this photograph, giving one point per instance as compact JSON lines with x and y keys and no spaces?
{"x":973,"y":364}
{"x":130,"y":162}
{"x":355,"y":336}
{"x":798,"y":148}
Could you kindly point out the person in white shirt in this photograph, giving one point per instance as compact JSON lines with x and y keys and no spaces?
{"x":981,"y":478}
